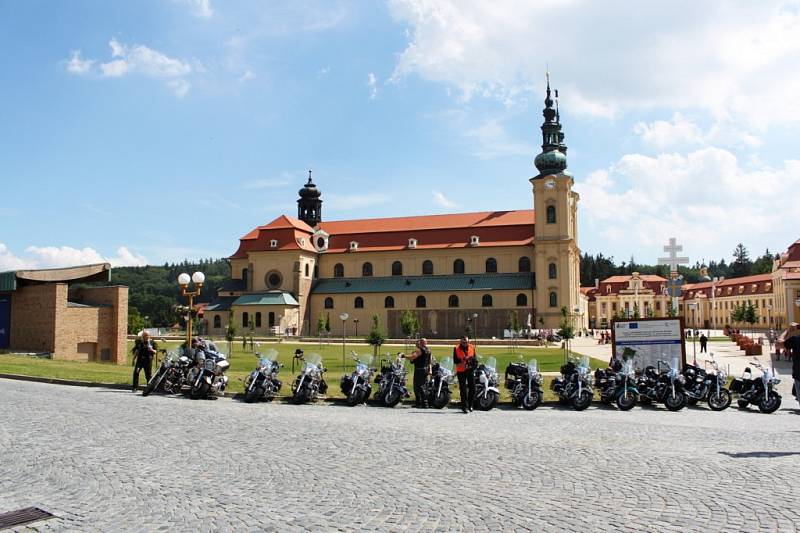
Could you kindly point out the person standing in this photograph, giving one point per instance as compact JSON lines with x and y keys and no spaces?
{"x":422,"y":362}
{"x":703,"y":343}
{"x":143,"y":351}
{"x":464,"y":358}
{"x":792,"y":346}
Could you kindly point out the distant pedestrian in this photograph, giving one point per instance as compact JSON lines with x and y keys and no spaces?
{"x":143,"y":351}
{"x":464,"y":358}
{"x":703,"y":343}
{"x":422,"y":361}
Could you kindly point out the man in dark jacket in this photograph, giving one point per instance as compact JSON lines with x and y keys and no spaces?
{"x":422,"y":362}
{"x":703,"y":343}
{"x":143,"y":351}
{"x":464,"y":358}
{"x":792,"y":346}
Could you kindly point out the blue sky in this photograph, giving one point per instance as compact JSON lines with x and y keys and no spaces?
{"x":159,"y":130}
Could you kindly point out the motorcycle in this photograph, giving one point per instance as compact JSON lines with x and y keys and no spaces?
{"x":263,"y":383}
{"x":392,"y":382}
{"x":574,"y":387}
{"x":171,"y":374}
{"x":357,"y":387}
{"x":207,"y":377}
{"x":525,"y":384}
{"x":486,"y":382}
{"x":617,"y":384}
{"x":310,"y":382}
{"x":708,"y":386}
{"x":437,"y":389}
{"x":663,"y":386}
{"x":758,"y":391}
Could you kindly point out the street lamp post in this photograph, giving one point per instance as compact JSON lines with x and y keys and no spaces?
{"x":769,"y":327}
{"x":343,"y":317}
{"x":355,"y":321}
{"x":693,"y":306}
{"x":198,"y":278}
{"x":475,"y":323}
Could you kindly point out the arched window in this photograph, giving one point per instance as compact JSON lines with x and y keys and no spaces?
{"x":553,"y":299}
{"x":491,"y":265}
{"x":258,"y":320}
{"x":458,"y":266}
{"x":452,"y":301}
{"x":486,"y":300}
{"x":552,"y":272}
{"x":329,"y":303}
{"x":388,"y":302}
{"x":524,"y":264}
{"x":244,"y":274}
{"x":522,"y":300}
{"x":421,"y":302}
{"x":217,"y":321}
{"x":427,"y":267}
{"x":271,"y":318}
{"x":316,"y":271}
{"x":359,"y":303}
{"x":366,"y":269}
{"x":308,"y":270}
{"x":338,"y":270}
{"x":245,"y":320}
{"x":551,"y":214}
{"x":397,"y":268}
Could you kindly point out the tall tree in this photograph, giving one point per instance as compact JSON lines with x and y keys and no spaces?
{"x":742,"y":265}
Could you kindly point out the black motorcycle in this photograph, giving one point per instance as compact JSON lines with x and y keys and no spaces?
{"x":487,"y":393}
{"x":357,"y":386}
{"x":437,"y":389}
{"x":707,"y":386}
{"x":617,"y":384}
{"x":310,"y":383}
{"x":263,"y":383}
{"x":171,"y":374}
{"x":207,"y":377}
{"x":757,"y":391}
{"x":392,"y":382}
{"x":574,"y":387}
{"x":525,"y":383}
{"x":662,"y":385}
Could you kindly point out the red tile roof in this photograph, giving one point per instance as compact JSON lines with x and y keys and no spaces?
{"x":620,"y":283}
{"x":703,"y":289}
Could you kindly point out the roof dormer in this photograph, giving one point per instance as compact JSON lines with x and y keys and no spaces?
{"x":412,"y":243}
{"x":353,"y":246}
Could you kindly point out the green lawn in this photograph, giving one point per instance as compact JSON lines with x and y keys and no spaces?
{"x":243,"y":362}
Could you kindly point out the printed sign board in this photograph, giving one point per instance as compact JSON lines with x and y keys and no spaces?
{"x":649,"y":340}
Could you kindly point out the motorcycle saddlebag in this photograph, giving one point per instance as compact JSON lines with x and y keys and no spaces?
{"x":516,"y":369}
{"x":511,"y":384}
{"x":737,"y":385}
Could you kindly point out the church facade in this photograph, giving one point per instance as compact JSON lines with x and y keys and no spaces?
{"x":456,"y":272}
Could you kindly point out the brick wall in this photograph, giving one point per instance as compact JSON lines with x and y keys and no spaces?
{"x":112,"y":321}
{"x":33,"y":317}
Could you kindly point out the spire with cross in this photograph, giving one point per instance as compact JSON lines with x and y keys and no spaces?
{"x":673,"y":260}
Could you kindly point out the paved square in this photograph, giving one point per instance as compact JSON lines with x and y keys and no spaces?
{"x":107,"y":460}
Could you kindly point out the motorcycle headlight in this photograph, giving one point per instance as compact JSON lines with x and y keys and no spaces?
{"x":680,"y":379}
{"x":538,"y":379}
{"x":209,"y":364}
{"x":775,"y":381}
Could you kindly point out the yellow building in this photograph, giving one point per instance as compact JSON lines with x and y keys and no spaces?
{"x":455,"y":271}
{"x":635,"y":295}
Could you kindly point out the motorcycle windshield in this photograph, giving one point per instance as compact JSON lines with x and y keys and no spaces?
{"x":447,"y":364}
{"x":271,"y":355}
{"x":533,"y":366}
{"x":366,"y":359}
{"x":313,"y":359}
{"x":490,"y":363}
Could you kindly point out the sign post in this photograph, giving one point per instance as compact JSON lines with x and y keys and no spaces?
{"x":650,"y":339}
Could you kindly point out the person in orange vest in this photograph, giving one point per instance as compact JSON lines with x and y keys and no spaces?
{"x":464,"y":358}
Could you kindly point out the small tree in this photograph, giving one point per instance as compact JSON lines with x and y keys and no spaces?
{"x":409,"y":323}
{"x":230,"y":332}
{"x":738,"y":314}
{"x":749,"y":316}
{"x":671,"y":310}
{"x":621,"y":314}
{"x":515,"y":327}
{"x":135,"y":321}
{"x":321,"y":322}
{"x":636,"y":313}
{"x":566,"y":331}
{"x":376,"y":335}
{"x":328,"y":323}
{"x":251,"y":326}
{"x":650,"y":313}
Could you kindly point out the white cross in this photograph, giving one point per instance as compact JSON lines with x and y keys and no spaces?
{"x":673,"y":260}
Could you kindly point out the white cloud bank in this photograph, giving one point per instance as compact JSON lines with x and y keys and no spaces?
{"x":64,"y":256}
{"x":135,"y":59}
{"x":442,"y":201}
{"x":705,"y":195}
{"x":727,"y":59}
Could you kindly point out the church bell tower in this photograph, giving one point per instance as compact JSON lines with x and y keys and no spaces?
{"x":309,"y":205}
{"x":556,"y":252}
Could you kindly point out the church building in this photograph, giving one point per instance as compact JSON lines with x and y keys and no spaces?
{"x":455,"y":271}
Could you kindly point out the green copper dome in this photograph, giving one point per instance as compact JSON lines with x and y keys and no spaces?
{"x":551,"y":162}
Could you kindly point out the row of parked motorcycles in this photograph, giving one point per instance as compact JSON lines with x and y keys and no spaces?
{"x":202,"y":374}
{"x":666,"y":384}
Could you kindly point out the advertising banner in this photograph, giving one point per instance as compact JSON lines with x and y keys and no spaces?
{"x":649,"y":340}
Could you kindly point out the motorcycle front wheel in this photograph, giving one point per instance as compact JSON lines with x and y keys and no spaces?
{"x":392,"y":398}
{"x":626,"y":402}
{"x":676,"y":402}
{"x":582,"y":400}
{"x":354,"y":398}
{"x":153,"y":384}
{"x":253,"y":394}
{"x":201,"y":391}
{"x":770,"y":403}
{"x":742,"y":403}
{"x":531,"y":401}
{"x":441,"y":400}
{"x":487,"y":401}
{"x":721,"y":401}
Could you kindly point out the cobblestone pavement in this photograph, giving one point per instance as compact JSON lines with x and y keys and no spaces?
{"x":104,"y":460}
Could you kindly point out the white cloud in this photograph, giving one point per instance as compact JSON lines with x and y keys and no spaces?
{"x":267,"y":183}
{"x":372,"y":83}
{"x":247,"y":75}
{"x":491,"y":139}
{"x":355,"y":201}
{"x":64,"y":256}
{"x":200,"y":8}
{"x":443,"y":201}
{"x":680,"y":131}
{"x":704,"y":197}
{"x":77,"y":65}
{"x":136,"y":59}
{"x":324,"y":71}
{"x":732,"y":61}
